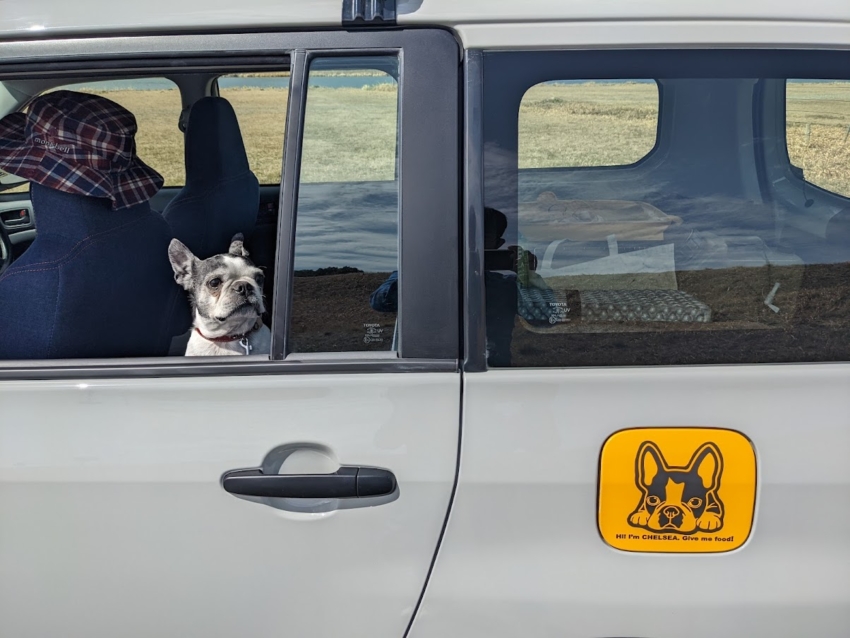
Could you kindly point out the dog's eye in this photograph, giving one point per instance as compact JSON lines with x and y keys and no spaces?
{"x":652,"y":500}
{"x":215,"y":282}
{"x":259,"y":279}
{"x":694,"y":502}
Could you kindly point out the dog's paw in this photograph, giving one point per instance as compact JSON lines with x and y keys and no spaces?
{"x":639,"y":518}
{"x":709,"y":522}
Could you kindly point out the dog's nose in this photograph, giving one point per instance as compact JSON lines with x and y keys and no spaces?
{"x":241,"y":288}
{"x":671,"y":515}
{"x":671,"y":511}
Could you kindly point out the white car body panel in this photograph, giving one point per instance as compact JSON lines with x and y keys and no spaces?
{"x":657,"y":33}
{"x":522,"y":548}
{"x":26,"y":18}
{"x":450,"y":13}
{"x":113,"y":513}
{"x":54,"y":17}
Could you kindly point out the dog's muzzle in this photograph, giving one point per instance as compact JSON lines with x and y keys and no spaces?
{"x":671,"y":516}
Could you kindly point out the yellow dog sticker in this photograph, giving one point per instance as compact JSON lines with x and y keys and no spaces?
{"x":676,"y":490}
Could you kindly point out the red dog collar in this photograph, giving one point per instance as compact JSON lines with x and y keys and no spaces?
{"x":230,"y":338}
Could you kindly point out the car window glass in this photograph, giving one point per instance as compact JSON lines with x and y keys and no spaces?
{"x":345,"y":288}
{"x":709,"y":250}
{"x":556,"y":119}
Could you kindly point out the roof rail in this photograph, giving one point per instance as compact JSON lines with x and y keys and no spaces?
{"x":368,"y":13}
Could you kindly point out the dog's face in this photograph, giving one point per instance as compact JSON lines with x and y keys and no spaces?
{"x":678,"y":499}
{"x":226,"y":291}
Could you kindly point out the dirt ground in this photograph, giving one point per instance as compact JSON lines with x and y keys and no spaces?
{"x":813,"y":324}
{"x":331,"y":313}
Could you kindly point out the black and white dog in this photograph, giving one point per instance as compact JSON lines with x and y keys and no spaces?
{"x":226,"y":295}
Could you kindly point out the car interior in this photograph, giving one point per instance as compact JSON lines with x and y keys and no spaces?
{"x":214,"y":194}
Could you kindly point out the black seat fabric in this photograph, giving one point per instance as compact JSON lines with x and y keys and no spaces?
{"x":221,"y":196}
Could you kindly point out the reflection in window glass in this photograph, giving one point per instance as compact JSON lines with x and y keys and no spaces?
{"x":708,"y":253}
{"x":818,"y":132}
{"x":351,"y":120}
{"x":345,"y":290}
{"x":587,"y":123}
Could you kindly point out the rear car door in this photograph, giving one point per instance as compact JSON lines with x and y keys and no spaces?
{"x":121,"y":513}
{"x":657,"y":443}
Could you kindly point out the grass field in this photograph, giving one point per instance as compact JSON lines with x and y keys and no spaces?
{"x":587,"y":124}
{"x":818,"y":125}
{"x":351,"y":133}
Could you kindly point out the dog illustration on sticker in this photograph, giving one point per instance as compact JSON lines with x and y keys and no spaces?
{"x":681,"y":500}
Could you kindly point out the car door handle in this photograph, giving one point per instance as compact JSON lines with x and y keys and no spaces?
{"x":347,"y":482}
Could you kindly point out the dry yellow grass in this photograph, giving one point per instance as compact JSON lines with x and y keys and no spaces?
{"x":262,"y":119}
{"x":351,"y":133}
{"x":159,"y":142}
{"x":818,"y":124}
{"x":587,"y":124}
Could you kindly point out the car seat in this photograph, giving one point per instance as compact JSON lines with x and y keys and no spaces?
{"x":221,"y":196}
{"x":94,"y":283}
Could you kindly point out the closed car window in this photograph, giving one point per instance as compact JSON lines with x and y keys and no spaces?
{"x":346,"y":285}
{"x":711,"y":249}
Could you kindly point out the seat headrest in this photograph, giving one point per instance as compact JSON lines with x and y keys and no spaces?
{"x":214,"y":146}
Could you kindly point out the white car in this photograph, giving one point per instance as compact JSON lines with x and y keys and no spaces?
{"x":559,"y":296}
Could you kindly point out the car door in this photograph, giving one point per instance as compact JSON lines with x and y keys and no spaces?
{"x":301,"y":493}
{"x":656,"y":443}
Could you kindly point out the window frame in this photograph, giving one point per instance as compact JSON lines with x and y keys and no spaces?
{"x":429,"y":180}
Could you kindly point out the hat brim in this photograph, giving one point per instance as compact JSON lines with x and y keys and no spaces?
{"x":12,"y":142}
{"x":130,"y":187}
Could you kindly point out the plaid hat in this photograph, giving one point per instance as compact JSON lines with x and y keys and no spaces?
{"x":78,"y":143}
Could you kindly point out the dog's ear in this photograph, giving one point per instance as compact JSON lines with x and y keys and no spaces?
{"x":708,"y":464}
{"x":183,"y":262}
{"x":648,"y":464}
{"x":237,"y":246}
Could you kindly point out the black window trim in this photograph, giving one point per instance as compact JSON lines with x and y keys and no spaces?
{"x":475,"y":330}
{"x":429,"y":191}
